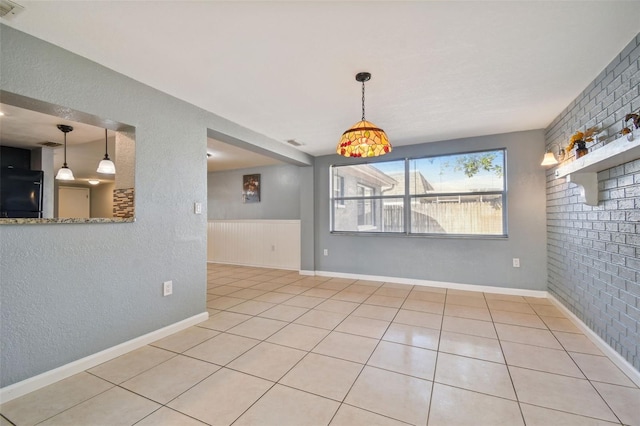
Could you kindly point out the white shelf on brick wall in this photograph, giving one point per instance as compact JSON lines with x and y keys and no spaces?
{"x":584,"y":170}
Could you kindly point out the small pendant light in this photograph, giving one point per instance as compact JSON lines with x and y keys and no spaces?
{"x":106,"y":166}
{"x":65,"y":172}
{"x":363,"y":139}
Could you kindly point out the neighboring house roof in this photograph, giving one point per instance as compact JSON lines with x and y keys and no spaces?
{"x":417,"y":184}
{"x":369,"y":174}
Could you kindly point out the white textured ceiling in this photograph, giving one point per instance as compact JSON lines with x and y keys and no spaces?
{"x":441,"y":70}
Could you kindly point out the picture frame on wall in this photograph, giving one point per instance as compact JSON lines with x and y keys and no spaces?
{"x":251,"y":188}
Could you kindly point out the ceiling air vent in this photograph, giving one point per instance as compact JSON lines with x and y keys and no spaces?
{"x":50,"y":144}
{"x":294,"y":142}
{"x":9,"y":9}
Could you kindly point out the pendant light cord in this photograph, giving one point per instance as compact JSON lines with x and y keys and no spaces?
{"x":65,"y":149}
{"x":106,"y":148}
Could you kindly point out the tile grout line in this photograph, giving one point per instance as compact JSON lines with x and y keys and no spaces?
{"x":292,"y":367}
{"x":277,"y":382}
{"x":370,"y":355}
{"x":513,"y":386}
{"x":435,"y":366}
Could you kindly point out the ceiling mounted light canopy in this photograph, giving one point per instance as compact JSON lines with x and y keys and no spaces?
{"x":106,"y":166}
{"x":363,"y":139}
{"x":65,"y":172}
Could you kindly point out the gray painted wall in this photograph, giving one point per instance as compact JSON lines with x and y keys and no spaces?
{"x":466,"y":261}
{"x":71,"y":290}
{"x":593,"y":251}
{"x":307,"y":219}
{"x":279,"y":194}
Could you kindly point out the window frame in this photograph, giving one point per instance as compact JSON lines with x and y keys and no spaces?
{"x":340,"y":190}
{"x":408,"y":198}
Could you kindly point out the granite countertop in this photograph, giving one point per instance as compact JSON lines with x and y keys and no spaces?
{"x":30,"y":221}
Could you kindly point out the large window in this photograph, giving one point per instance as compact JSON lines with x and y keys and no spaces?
{"x":457,"y":195}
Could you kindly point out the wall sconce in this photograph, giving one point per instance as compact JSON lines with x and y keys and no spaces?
{"x":550,"y":156}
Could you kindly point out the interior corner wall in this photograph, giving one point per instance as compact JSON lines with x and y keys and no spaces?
{"x":102,"y":200}
{"x":307,"y":219}
{"x":71,"y":290}
{"x":279,"y":194}
{"x":594,"y":252}
{"x":478,"y":261}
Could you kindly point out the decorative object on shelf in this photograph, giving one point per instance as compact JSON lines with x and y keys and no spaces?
{"x":581,"y":150}
{"x":580,"y":139}
{"x":363,"y":139}
{"x":65,"y":172}
{"x":106,"y":166}
{"x":632,"y":131}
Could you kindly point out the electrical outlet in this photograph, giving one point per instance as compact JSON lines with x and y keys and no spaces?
{"x":197,"y":208}
{"x":516,"y":262}
{"x":167,"y":288}
{"x":326,"y":252}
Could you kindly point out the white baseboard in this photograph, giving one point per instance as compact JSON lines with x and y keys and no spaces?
{"x":614,"y":356}
{"x":305,"y":272}
{"x":441,"y":284}
{"x":41,"y":380}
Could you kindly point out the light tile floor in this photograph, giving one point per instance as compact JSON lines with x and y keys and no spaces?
{"x":284,"y":349}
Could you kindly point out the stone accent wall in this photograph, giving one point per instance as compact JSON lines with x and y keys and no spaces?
{"x":123,"y":202}
{"x":594,"y":252}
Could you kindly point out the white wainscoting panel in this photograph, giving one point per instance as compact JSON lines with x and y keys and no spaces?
{"x":264,"y":243}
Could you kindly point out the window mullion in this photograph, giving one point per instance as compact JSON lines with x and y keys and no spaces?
{"x":407,"y":197}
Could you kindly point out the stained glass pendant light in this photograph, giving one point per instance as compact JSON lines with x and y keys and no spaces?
{"x":363,"y":139}
{"x":106,"y":166}
{"x":65,"y":172}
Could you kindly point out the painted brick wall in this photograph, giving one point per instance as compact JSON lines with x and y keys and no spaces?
{"x":594,"y":252}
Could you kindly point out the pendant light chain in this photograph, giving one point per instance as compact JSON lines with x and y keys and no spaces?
{"x":362,"y":100}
